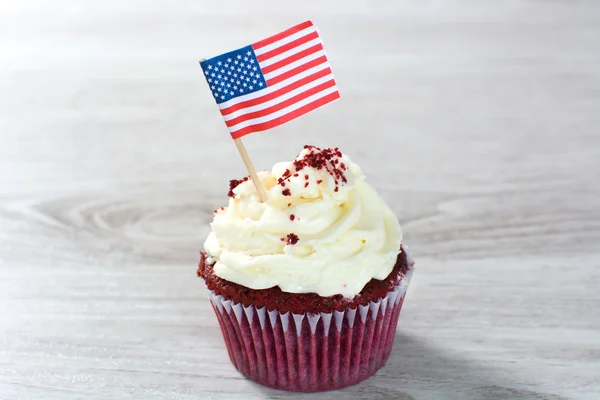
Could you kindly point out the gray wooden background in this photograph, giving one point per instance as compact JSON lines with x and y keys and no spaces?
{"x":477,"y":120}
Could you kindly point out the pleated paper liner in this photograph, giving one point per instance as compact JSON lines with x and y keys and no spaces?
{"x":310,"y":352}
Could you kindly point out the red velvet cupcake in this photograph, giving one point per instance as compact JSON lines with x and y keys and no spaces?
{"x":308,"y":286}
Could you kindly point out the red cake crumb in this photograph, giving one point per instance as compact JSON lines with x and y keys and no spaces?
{"x":286,"y":192}
{"x":292,"y":238}
{"x":275,"y":299}
{"x":292,"y":217}
{"x":234,"y":183}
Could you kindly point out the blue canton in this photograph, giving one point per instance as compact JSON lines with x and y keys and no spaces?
{"x":233,"y":74}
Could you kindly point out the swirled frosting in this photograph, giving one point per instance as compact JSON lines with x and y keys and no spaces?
{"x":323,"y":229}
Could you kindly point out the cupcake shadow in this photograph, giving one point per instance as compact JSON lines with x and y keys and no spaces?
{"x":417,"y":370}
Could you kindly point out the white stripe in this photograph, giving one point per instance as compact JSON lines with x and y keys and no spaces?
{"x":274,"y":87}
{"x":283,"y":111}
{"x":295,"y":64}
{"x":279,"y":99}
{"x":285,"y":40}
{"x":289,"y":53}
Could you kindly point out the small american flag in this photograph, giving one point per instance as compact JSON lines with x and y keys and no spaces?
{"x":271,"y":82}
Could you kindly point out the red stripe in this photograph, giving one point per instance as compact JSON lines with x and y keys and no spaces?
{"x":292,"y":58}
{"x":281,"y":35}
{"x":297,"y":70}
{"x":287,"y":117}
{"x":287,"y":46}
{"x":282,"y":105}
{"x":276,"y":93}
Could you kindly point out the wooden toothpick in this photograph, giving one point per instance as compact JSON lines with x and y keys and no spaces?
{"x":248,"y":163}
{"x":262,"y":194}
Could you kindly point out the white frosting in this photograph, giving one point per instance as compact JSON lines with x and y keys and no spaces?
{"x":346,"y":237}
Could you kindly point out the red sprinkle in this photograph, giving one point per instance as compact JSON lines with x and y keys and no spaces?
{"x":319,"y":181}
{"x":289,"y":204}
{"x":336,"y":189}
{"x":292,"y":217}
{"x":234,"y":183}
{"x":286,"y":192}
{"x":296,"y":174}
{"x":292,"y":238}
{"x":306,"y":177}
{"x":306,"y":184}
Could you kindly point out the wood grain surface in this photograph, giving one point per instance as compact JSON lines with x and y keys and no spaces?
{"x":477,"y":120}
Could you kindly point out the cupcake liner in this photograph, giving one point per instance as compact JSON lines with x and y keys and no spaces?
{"x":310,"y":352}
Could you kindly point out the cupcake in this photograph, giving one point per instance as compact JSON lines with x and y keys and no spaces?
{"x":308,"y":286}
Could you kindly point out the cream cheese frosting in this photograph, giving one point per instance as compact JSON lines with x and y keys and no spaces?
{"x":322,"y":230}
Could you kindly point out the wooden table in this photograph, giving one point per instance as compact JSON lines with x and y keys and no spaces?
{"x":478,"y":121}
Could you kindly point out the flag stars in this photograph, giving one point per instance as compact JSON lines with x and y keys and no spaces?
{"x":235,"y":74}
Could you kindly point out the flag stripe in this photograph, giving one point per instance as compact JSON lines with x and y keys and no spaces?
{"x":294,"y":71}
{"x":283,"y":111}
{"x":288,"y":46}
{"x":287,"y":117}
{"x":290,"y":53}
{"x":286,"y":40}
{"x":293,"y":65}
{"x":272,"y":91}
{"x":281,"y":105}
{"x":283,"y":94}
{"x":281,"y":35}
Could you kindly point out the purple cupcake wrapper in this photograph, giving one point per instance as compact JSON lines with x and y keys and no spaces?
{"x":310,"y":352}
